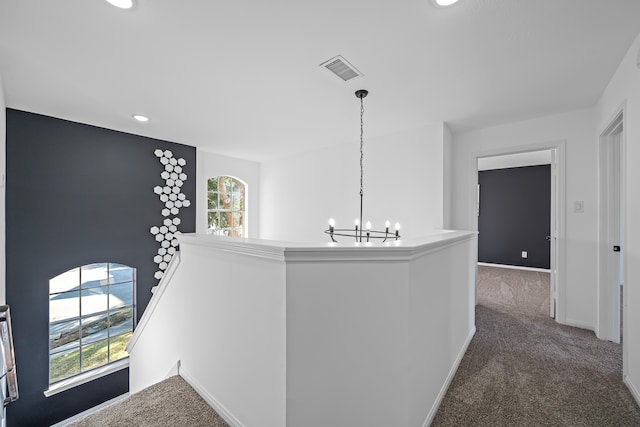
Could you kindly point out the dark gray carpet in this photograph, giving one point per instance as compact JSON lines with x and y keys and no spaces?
{"x":171,"y":402}
{"x":524,"y":369}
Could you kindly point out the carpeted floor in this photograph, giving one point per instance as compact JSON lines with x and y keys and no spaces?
{"x":171,"y":402}
{"x":524,"y":369}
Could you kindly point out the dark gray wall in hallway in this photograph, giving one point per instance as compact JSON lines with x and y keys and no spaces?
{"x":76,"y":194}
{"x":515,"y":207}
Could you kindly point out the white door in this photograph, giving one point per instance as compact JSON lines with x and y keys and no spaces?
{"x":610,"y":234}
{"x":615,"y":254}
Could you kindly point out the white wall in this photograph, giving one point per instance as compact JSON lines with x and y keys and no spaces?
{"x":403,"y":182}
{"x":624,"y":87}
{"x":578,"y":130}
{"x":211,"y":164}
{"x":3,"y":172}
{"x":225,"y":323}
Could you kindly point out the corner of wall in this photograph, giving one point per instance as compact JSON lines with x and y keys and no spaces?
{"x":447,"y":140}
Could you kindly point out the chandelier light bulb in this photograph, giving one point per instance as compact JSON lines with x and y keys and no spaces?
{"x":368,"y":225}
{"x":357,"y":222}
{"x":332,"y":222}
{"x":397,"y":226}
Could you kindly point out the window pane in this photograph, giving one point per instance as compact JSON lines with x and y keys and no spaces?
{"x":94,"y":328}
{"x":95,"y":354}
{"x":64,"y":365}
{"x":118,"y":345}
{"x":94,"y":300}
{"x":237,"y":219}
{"x":119,"y":273}
{"x":67,"y":281}
{"x":120,"y":295}
{"x":64,"y":306}
{"x":121,"y":322}
{"x":212,"y":200}
{"x":237,"y":201}
{"x":212,"y":184}
{"x":93,"y":275}
{"x":63,"y":336}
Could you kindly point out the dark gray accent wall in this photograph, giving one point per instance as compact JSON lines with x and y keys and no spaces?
{"x":515,"y":206}
{"x":76,"y":194}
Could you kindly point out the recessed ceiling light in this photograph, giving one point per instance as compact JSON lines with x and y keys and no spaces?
{"x":140,"y":118}
{"x":122,"y":4}
{"x":444,"y":3}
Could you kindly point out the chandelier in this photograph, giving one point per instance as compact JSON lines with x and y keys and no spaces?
{"x":362,"y":232}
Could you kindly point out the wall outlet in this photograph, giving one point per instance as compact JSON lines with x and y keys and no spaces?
{"x":524,"y":254}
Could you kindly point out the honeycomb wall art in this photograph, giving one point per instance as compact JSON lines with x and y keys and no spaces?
{"x":173,"y":199}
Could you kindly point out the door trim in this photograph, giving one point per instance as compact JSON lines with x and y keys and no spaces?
{"x":608,"y":311}
{"x":560,"y":149}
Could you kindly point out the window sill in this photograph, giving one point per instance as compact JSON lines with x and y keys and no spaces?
{"x":83,"y":378}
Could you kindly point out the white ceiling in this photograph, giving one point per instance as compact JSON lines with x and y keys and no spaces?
{"x":242,"y":78}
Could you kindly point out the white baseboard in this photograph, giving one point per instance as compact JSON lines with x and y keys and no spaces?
{"x":515,"y":267}
{"x":447,"y":382}
{"x":579,"y":324}
{"x":632,"y":388}
{"x":91,"y":410}
{"x":217,"y":406}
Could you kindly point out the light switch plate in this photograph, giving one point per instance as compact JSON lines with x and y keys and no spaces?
{"x":524,"y":254}
{"x":578,"y":207}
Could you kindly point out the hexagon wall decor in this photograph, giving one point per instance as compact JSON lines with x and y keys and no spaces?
{"x":172,"y":198}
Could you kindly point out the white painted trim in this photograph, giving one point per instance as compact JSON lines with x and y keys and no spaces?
{"x":90,"y":411}
{"x":217,"y":406}
{"x":579,"y":324}
{"x":560,"y":145}
{"x":155,"y":298}
{"x":608,"y":313}
{"x":515,"y":267}
{"x":633,"y":389}
{"x":85,"y":377}
{"x":447,"y":383}
{"x":396,"y":250}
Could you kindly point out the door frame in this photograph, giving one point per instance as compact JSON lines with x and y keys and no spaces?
{"x":608,"y":313}
{"x":558,"y":202}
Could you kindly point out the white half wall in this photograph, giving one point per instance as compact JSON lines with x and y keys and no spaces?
{"x":624,"y":90}
{"x":578,"y":131}
{"x":403,"y":182}
{"x":3,"y":175}
{"x":210,"y":164}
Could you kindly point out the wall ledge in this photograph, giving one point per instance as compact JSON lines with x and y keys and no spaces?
{"x":400,"y":250}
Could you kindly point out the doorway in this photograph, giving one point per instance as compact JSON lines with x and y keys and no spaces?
{"x":555,"y":152}
{"x":610,"y":229}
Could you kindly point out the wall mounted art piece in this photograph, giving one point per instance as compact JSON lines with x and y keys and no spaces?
{"x":173,"y":200}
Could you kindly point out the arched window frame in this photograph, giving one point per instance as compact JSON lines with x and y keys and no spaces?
{"x":227,"y":206}
{"x":94,"y":305}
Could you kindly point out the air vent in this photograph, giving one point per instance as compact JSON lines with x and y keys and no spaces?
{"x":341,"y":68}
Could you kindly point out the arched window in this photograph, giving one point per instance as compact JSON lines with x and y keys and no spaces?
{"x":91,"y":316}
{"x":226,"y":206}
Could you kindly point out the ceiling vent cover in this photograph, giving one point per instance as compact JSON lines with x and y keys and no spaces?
{"x":341,"y":68}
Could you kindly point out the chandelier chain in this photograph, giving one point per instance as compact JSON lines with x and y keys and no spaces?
{"x":361,"y":145}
